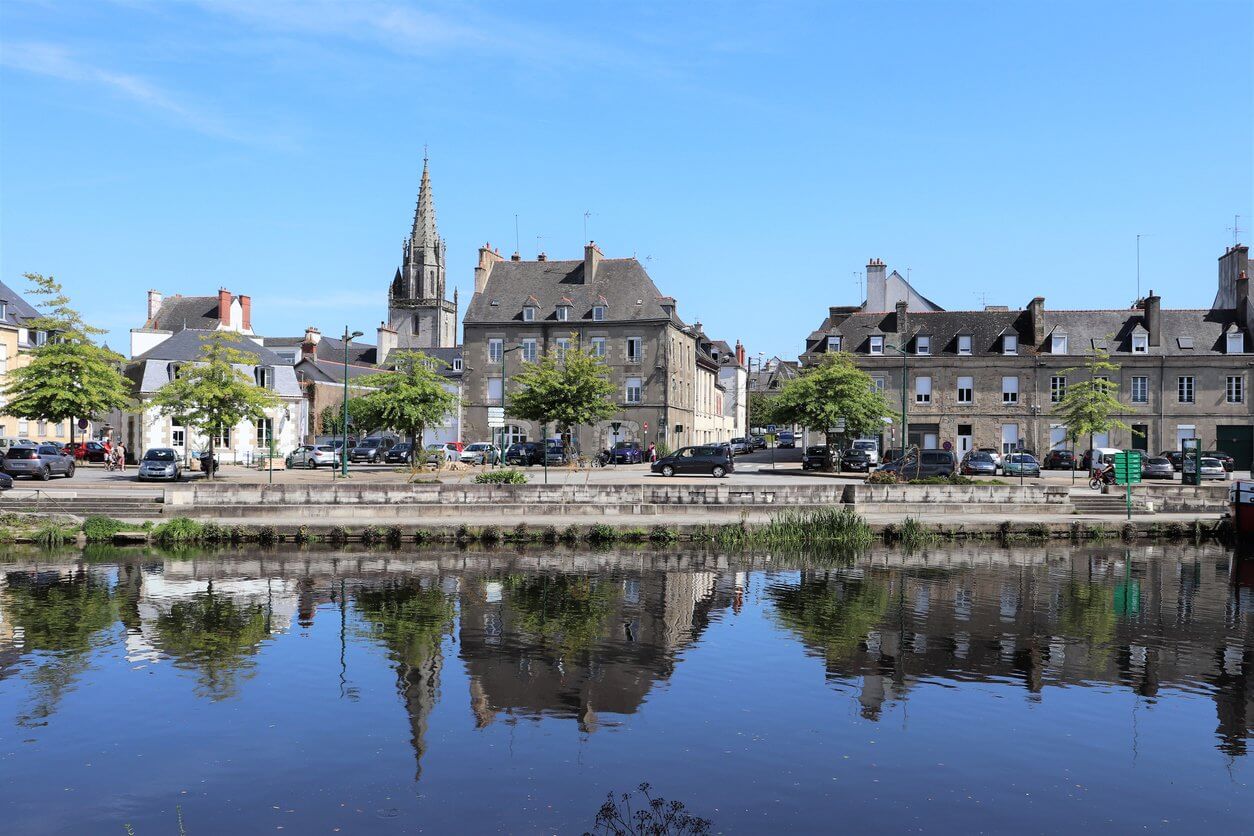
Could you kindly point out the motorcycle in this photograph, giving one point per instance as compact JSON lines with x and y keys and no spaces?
{"x":1097,"y":478}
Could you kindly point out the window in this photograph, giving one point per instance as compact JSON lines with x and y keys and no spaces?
{"x":4,"y":358}
{"x":496,"y":350}
{"x":563,"y":346}
{"x":264,"y":377}
{"x":41,"y":337}
{"x":598,"y":346}
{"x":833,"y":343}
{"x":922,"y":345}
{"x":265,"y":433}
{"x":1236,"y":389}
{"x":529,"y":350}
{"x":222,"y":438}
{"x":1057,"y":388}
{"x":1009,"y":344}
{"x":61,"y":430}
{"x":1184,"y":388}
{"x":966,"y":390}
{"x":877,"y":345}
{"x":598,"y":313}
{"x":1236,"y":342}
{"x":496,"y":391}
{"x":1140,"y":344}
{"x":877,"y":384}
{"x":178,"y":437}
{"x":529,"y":313}
{"x":964,"y":344}
{"x":41,"y":427}
{"x":634,"y":392}
{"x":1058,"y":344}
{"x":1140,"y":390}
{"x":1010,"y":390}
{"x":923,"y":390}
{"x":457,"y":364}
{"x":633,"y":349}
{"x":563,"y":313}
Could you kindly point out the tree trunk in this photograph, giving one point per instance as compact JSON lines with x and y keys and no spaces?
{"x":209,"y":467}
{"x":829,"y":459}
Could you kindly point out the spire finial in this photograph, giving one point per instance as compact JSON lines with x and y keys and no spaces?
{"x":424,"y":155}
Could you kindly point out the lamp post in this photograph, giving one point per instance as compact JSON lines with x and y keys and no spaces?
{"x":348,"y":338}
{"x":905,"y":421}
{"x":505,"y":427}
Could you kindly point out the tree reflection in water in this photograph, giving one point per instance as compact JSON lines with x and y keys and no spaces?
{"x":566,"y":612}
{"x":834,"y":612}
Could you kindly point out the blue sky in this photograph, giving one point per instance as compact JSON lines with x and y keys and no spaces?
{"x":756,"y":154}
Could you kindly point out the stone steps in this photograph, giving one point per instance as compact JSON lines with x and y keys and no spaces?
{"x":1097,"y":503}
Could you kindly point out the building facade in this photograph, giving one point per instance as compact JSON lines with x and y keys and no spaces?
{"x":994,"y":377}
{"x":523,"y":309}
{"x":17,"y":339}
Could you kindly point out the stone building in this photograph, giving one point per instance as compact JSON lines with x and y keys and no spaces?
{"x":419,"y":315}
{"x":522,"y":309}
{"x":992,"y":377}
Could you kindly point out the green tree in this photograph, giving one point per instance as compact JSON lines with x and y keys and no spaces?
{"x":68,"y":376}
{"x":834,"y":390}
{"x":410,"y":398}
{"x":569,"y":392}
{"x":211,"y":392}
{"x":1092,"y":405}
{"x":331,"y":418}
{"x":761,"y":409}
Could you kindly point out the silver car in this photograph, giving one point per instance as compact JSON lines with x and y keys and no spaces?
{"x":160,"y":463}
{"x":1157,"y":467}
{"x":42,"y":462}
{"x":313,"y":456}
{"x":481,"y":452}
{"x":1211,"y":469}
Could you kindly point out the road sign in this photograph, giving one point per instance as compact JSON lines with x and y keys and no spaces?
{"x":1128,"y":467}
{"x":837,"y":427}
{"x":770,"y":428}
{"x":496,"y":417}
{"x":617,"y":424}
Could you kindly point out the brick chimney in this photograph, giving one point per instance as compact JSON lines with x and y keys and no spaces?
{"x":154,"y":303}
{"x":224,"y":307}
{"x":542,"y":257}
{"x":246,"y":312}
{"x":903,"y":321}
{"x":1154,"y":318}
{"x":487,"y":258}
{"x":591,"y":260}
{"x":876,"y":286}
{"x":1036,"y":318}
{"x":740,"y":353}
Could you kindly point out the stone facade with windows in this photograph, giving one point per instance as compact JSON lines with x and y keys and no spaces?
{"x":523,"y":309}
{"x":991,"y":378}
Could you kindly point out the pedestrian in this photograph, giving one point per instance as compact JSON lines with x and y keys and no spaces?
{"x":119,"y":455}
{"x":652,"y":453}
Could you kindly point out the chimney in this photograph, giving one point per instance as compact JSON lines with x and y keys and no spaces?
{"x":668,"y":305}
{"x":246,"y":312}
{"x":154,"y":303}
{"x":515,"y":256}
{"x":1036,"y":318}
{"x":876,"y":286}
{"x":1154,"y":318}
{"x":740,"y":353}
{"x":386,"y":343}
{"x":487,"y":258}
{"x":1245,"y":311}
{"x":591,"y":260}
{"x":836,"y":314}
{"x":902,"y":321}
{"x":224,"y":307}
{"x":542,"y":257}
{"x":309,"y":348}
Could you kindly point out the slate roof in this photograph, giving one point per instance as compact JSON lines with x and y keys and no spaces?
{"x":186,"y":345}
{"x":620,"y":284}
{"x":178,"y":312}
{"x":16,"y":310}
{"x":331,"y":349}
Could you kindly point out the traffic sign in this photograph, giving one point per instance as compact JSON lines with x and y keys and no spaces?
{"x":770,"y":428}
{"x":1128,"y":467}
{"x":496,"y":417}
{"x":837,"y":427}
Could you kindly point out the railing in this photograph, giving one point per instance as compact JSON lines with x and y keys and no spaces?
{"x":41,"y":497}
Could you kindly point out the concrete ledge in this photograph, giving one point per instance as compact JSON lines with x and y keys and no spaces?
{"x":1184,"y":499}
{"x":999,"y":497}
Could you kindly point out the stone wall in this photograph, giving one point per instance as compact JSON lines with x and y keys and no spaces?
{"x":1181,"y":499}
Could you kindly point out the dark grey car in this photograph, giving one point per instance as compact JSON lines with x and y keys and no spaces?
{"x":1158,"y":467}
{"x":42,"y":462}
{"x":926,"y":464}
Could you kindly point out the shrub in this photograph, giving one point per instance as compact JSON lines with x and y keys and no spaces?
{"x":337,"y":535}
{"x":267,"y":535}
{"x":501,"y":477}
{"x":490,"y":534}
{"x":520,"y":533}
{"x":915,"y":533}
{"x":882,"y":477}
{"x":394,"y":536}
{"x":662,"y":534}
{"x":214,"y":533}
{"x":570,"y":535}
{"x":178,"y":531}
{"x":371,"y":535}
{"x":549,"y":535}
{"x":1038,"y":531}
{"x":301,"y":535}
{"x":602,"y":533}
{"x":102,"y":529}
{"x":51,"y":535}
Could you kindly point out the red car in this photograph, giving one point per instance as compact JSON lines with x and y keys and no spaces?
{"x":87,"y":451}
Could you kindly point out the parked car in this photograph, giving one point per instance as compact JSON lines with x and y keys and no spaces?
{"x":856,"y":460}
{"x":372,"y":449}
{"x":995,"y":453}
{"x":480,"y":452}
{"x":757,"y":442}
{"x":1175,"y":457}
{"x":786,"y":440}
{"x":312,"y":456}
{"x":42,"y":462}
{"x":402,"y":453}
{"x":923,"y":465}
{"x":627,"y":452}
{"x":740,"y":446}
{"x":525,"y":453}
{"x":815,"y":458}
{"x":555,"y":454}
{"x":1020,"y":464}
{"x":6,"y":481}
{"x":1157,"y":467}
{"x":978,"y":463}
{"x":710,"y":459}
{"x":87,"y":451}
{"x":1227,"y":461}
{"x":869,"y":446}
{"x":160,"y":463}
{"x":1211,"y":469}
{"x":1099,"y":455}
{"x":1060,"y":460}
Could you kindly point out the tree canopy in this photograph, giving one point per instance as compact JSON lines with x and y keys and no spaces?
{"x":569,"y":391}
{"x":410,"y":398}
{"x":823,"y":395}
{"x":68,"y":376}
{"x":1092,"y":405}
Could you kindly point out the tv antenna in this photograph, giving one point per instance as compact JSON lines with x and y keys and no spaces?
{"x":587,"y":213}
{"x":539,"y":239}
{"x":857,"y":277}
{"x":1236,"y":230}
{"x":982,"y":296}
{"x":517,"y":244}
{"x":1139,"y":236}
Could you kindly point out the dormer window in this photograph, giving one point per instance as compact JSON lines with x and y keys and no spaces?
{"x":4,"y":311}
{"x":563,"y":313}
{"x":529,"y":313}
{"x":876,"y":345}
{"x":457,"y":364}
{"x":1140,"y":343}
{"x":1236,"y":343}
{"x":1058,"y":344}
{"x":1010,"y":344}
{"x":833,"y":343}
{"x":264,"y":377}
{"x":598,"y":313}
{"x":964,"y":344}
{"x":922,"y":345}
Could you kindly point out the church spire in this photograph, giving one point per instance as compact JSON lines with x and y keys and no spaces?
{"x":424,"y":236}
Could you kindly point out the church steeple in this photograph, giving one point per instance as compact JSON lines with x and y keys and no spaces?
{"x":424,"y":235}
{"x":417,"y":307}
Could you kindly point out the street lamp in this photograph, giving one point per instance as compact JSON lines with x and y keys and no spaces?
{"x":348,"y":338}
{"x":505,"y":424}
{"x":905,"y":422}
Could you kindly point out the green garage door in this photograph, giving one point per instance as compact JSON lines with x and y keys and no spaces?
{"x":1237,"y":442}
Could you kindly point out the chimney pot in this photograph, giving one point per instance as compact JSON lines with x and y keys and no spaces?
{"x":591,"y":261}
{"x":224,"y":307}
{"x":1154,"y":318}
{"x":246,"y":312}
{"x":154,"y":303}
{"x":542,"y":257}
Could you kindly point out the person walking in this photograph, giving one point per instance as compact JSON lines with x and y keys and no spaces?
{"x":119,"y":456}
{"x":652,"y":452}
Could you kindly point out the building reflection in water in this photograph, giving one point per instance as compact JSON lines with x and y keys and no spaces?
{"x":587,"y":638}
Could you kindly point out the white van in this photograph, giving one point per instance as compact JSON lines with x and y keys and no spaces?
{"x":870,"y":446}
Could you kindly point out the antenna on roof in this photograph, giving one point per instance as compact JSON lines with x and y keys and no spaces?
{"x":587,"y":213}
{"x":857,"y":277}
{"x":1235,"y":229}
{"x":517,"y":245}
{"x":982,"y":296}
{"x":539,"y":238}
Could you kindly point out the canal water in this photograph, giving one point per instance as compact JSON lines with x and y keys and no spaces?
{"x":958,"y":689}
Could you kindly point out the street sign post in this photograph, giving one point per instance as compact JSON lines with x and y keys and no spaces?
{"x":496,"y":421}
{"x":1128,"y":473}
